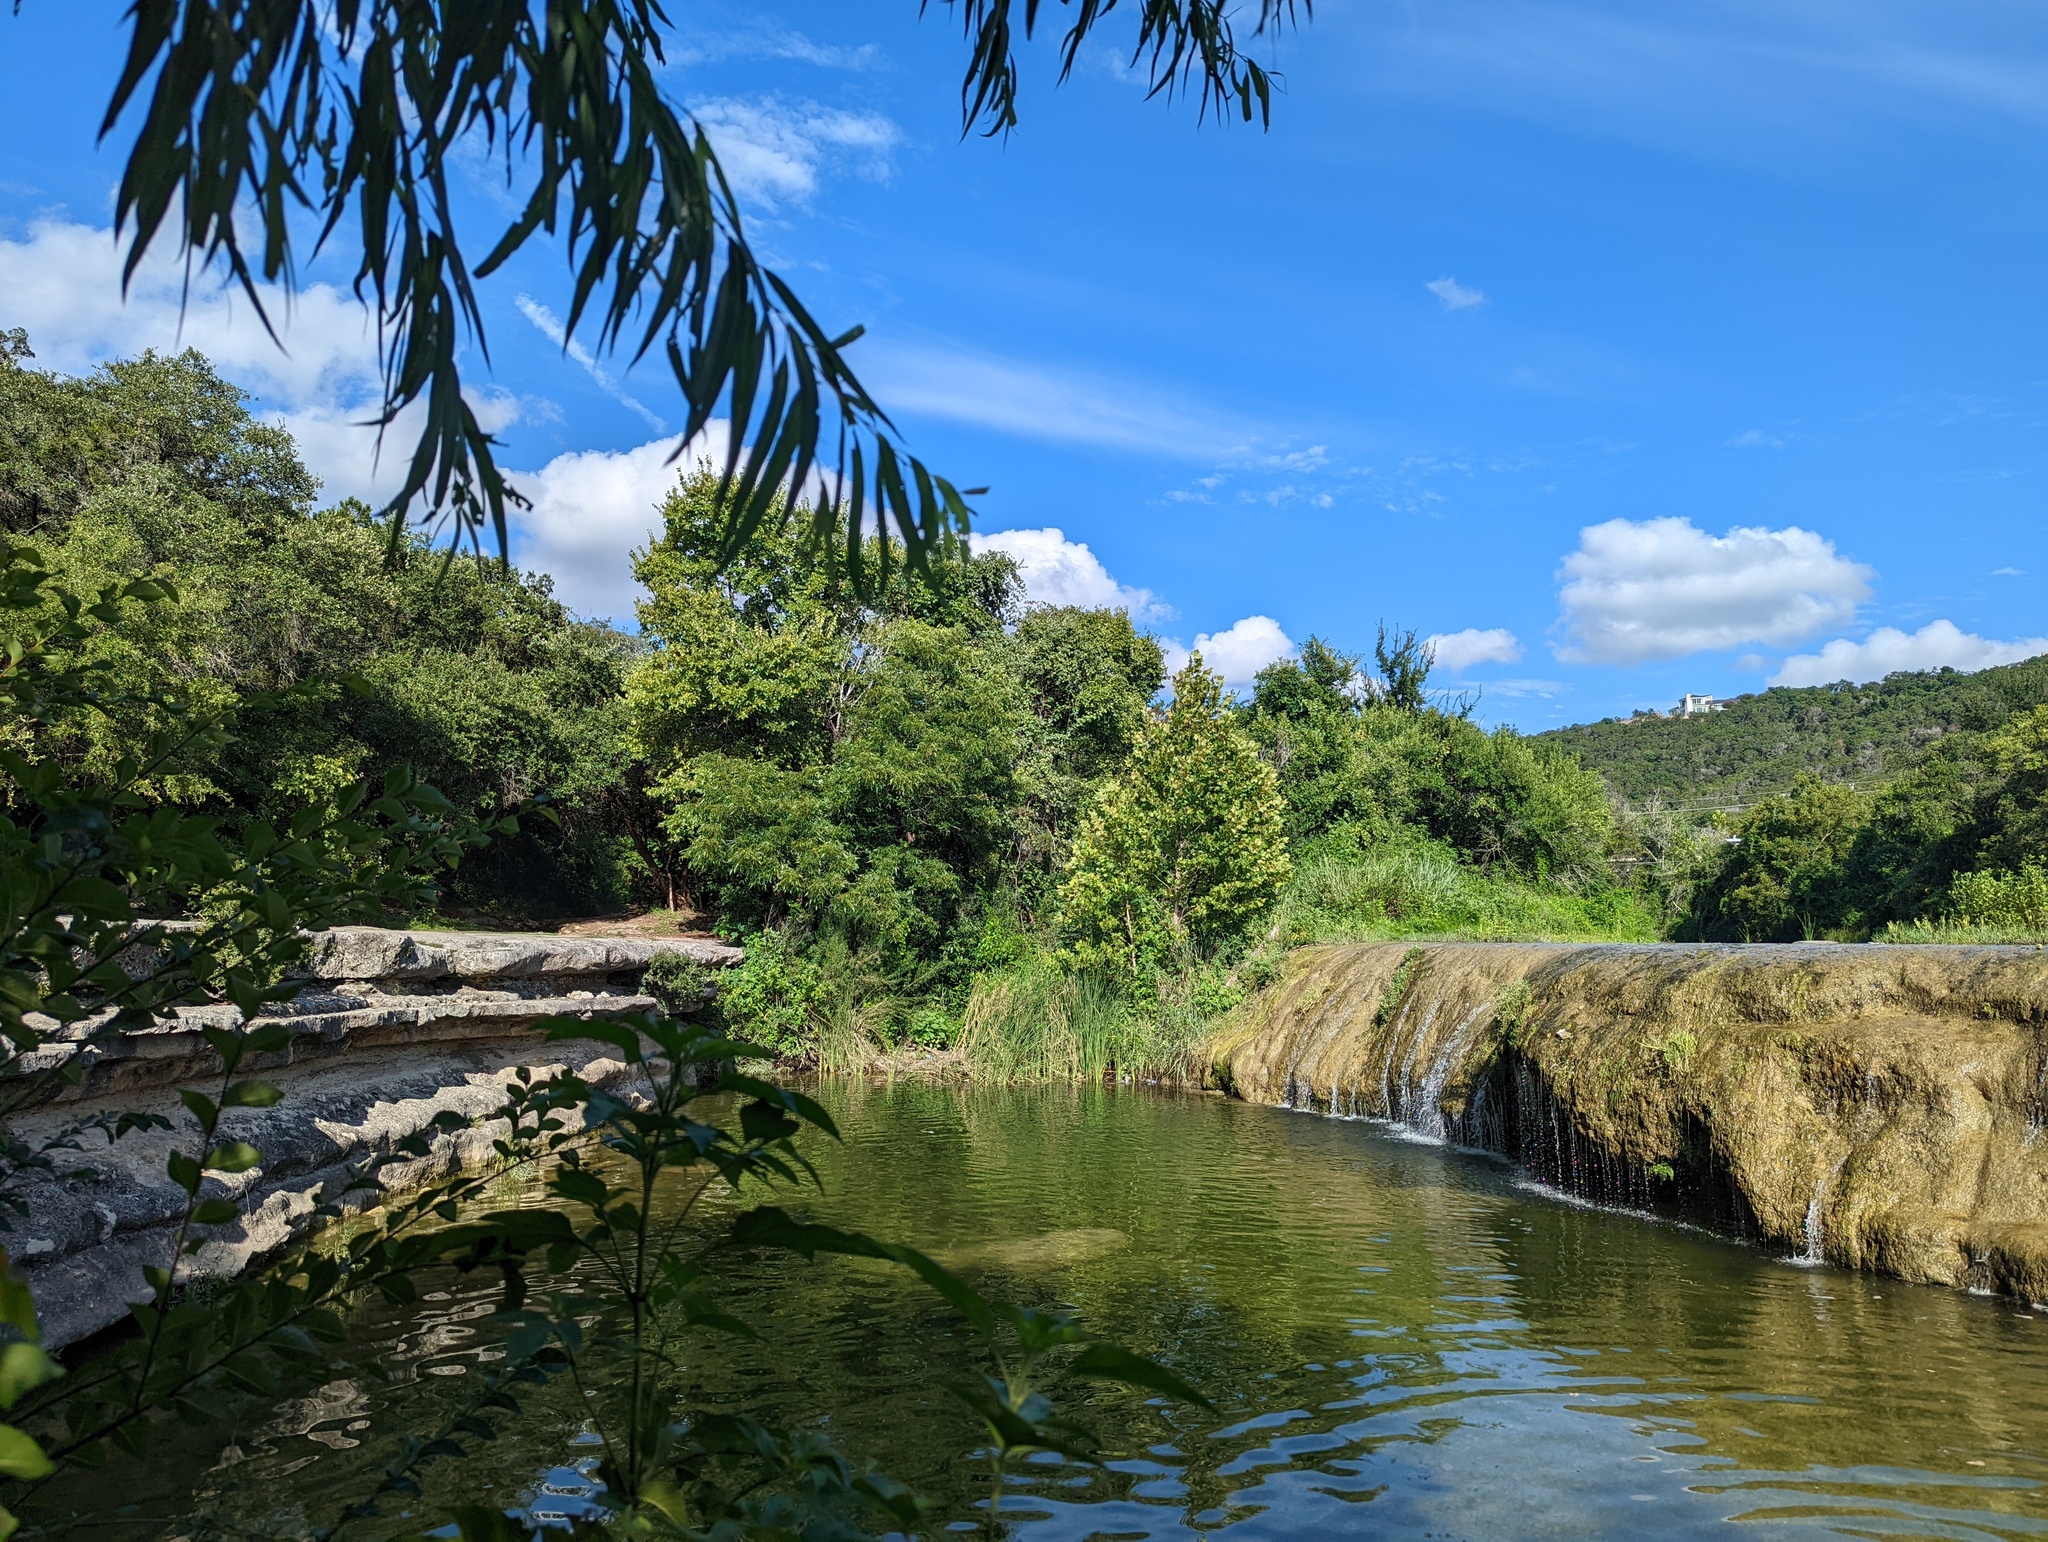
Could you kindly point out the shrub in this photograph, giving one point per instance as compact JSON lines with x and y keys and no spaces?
{"x":2014,"y":901}
{"x":771,"y":998}
{"x":683,"y":987}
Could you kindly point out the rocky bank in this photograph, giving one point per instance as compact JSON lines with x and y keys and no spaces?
{"x":390,"y":1029}
{"x":1877,"y":1107}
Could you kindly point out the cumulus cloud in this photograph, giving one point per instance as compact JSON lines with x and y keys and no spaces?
{"x":591,"y":508}
{"x":1660,"y":588}
{"x":64,"y":285}
{"x":774,"y":151}
{"x":1936,"y":645}
{"x":1459,"y":651}
{"x":1237,"y":654}
{"x":1057,"y":571}
{"x":1456,"y":296}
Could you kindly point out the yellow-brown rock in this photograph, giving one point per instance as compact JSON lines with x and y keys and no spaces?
{"x":1877,"y":1106}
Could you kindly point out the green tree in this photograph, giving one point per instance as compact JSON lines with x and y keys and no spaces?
{"x":828,"y":761}
{"x":1187,"y":845}
{"x":1320,"y":681}
{"x":324,"y":654}
{"x":1783,"y":878}
{"x":1404,"y":661}
{"x":2010,"y":822}
{"x":1088,"y":678}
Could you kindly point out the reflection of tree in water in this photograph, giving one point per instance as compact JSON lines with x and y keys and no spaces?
{"x":1349,"y":1303}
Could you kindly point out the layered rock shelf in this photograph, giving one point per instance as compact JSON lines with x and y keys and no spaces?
{"x":1876,"y":1107}
{"x":390,"y":1029}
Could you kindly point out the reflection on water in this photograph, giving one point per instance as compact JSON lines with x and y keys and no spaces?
{"x":1401,"y":1341}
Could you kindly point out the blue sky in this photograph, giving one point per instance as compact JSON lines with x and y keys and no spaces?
{"x":1632,"y":350}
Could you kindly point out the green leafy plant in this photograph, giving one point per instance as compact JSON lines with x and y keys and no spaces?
{"x":1512,"y":1009}
{"x":1399,"y":984}
{"x":2010,"y":901}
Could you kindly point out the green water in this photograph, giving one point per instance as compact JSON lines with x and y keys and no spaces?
{"x":1400,"y":1341}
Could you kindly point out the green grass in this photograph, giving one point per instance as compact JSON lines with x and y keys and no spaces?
{"x":1035,"y":1021}
{"x":1423,"y":892}
{"x":1959,"y":932}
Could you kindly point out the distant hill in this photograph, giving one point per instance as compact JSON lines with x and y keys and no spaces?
{"x":1861,"y":734}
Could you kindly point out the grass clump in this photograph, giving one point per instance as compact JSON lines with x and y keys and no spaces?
{"x":1422,"y":890}
{"x":1038,"y":1022}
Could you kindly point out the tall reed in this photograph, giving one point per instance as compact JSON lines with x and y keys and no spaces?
{"x":1036,"y":1022}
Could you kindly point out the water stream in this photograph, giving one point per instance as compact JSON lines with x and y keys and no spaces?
{"x":1402,"y":1340}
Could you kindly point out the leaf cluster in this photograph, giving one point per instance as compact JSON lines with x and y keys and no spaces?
{"x":317,"y":122}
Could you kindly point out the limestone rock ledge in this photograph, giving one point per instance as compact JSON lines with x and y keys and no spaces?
{"x":1873,"y":1106}
{"x":391,"y":1029}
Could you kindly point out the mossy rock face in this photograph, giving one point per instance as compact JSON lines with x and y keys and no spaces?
{"x":1882,"y":1105}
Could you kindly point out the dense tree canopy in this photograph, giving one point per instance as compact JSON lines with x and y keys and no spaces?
{"x":327,"y":657}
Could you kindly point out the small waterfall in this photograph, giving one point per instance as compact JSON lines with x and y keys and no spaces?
{"x":1347,"y":1061}
{"x":1430,"y":1106}
{"x":1397,"y":1104}
{"x":1816,"y":1227}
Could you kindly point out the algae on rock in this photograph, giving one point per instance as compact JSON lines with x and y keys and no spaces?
{"x":1876,"y":1106}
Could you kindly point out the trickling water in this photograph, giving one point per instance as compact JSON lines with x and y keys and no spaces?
{"x":1816,"y":1227}
{"x":1429,"y":1109}
{"x":1405,"y":1114}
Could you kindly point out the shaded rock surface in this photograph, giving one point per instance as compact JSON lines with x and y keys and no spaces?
{"x":392,"y":1029}
{"x":1877,"y":1107}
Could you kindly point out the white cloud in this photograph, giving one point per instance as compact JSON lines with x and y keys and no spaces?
{"x":2007,"y":573}
{"x":1064,"y":406}
{"x":770,"y":42}
{"x":774,"y":151}
{"x":591,"y":508}
{"x":1936,"y":645}
{"x":64,"y":286}
{"x":1057,"y":571}
{"x":1755,"y":439}
{"x":63,"y":283}
{"x":1459,"y":651}
{"x":1661,"y":588}
{"x":549,"y":325}
{"x":1456,"y":296}
{"x":1237,"y":654}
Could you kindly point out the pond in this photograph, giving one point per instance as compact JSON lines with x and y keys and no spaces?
{"x":1400,"y":1340}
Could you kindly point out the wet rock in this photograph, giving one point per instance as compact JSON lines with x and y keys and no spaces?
{"x":1875,"y":1106}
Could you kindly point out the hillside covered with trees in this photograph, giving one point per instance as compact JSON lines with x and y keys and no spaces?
{"x":1865,"y":735}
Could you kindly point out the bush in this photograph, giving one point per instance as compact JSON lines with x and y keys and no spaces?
{"x":683,"y":987}
{"x":2015,"y":901}
{"x":772,"y":997}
